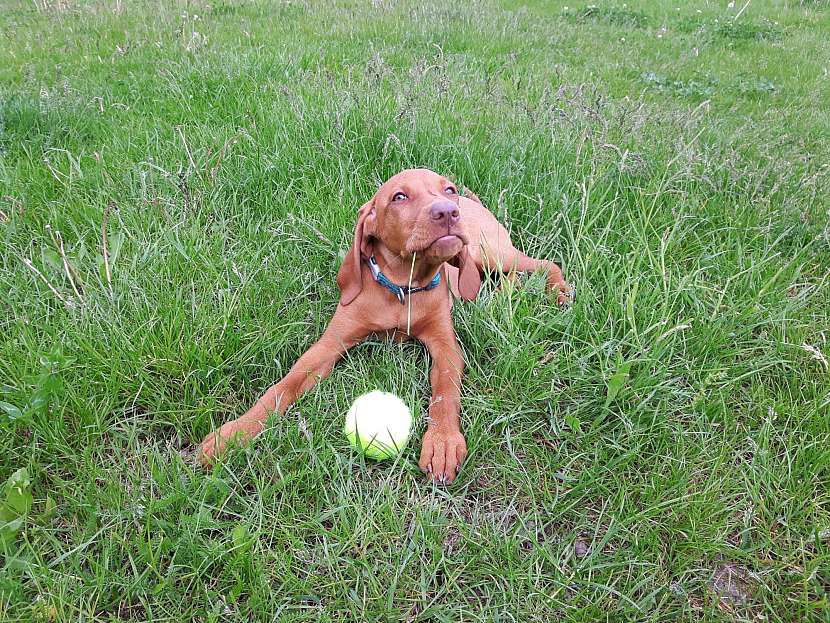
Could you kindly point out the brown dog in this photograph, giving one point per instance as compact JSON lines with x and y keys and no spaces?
{"x":414,"y":241}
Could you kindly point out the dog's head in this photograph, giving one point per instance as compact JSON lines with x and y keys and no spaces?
{"x":416,"y":211}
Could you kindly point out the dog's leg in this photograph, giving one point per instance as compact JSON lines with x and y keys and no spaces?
{"x":444,"y":447}
{"x":494,"y":251}
{"x":317,"y":362}
{"x":512,"y":260}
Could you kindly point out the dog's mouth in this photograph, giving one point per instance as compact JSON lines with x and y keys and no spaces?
{"x":437,"y":243}
{"x":446,"y":246}
{"x":447,"y":238}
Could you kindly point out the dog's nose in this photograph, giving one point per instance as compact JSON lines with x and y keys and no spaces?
{"x":444,"y":211}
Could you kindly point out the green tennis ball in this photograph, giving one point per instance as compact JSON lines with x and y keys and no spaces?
{"x":378,"y":425}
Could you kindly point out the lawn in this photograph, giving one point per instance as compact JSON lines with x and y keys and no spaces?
{"x":178,"y":183}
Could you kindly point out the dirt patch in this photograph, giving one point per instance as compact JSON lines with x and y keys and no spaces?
{"x":731,"y":583}
{"x":452,"y":540}
{"x":582,"y":547}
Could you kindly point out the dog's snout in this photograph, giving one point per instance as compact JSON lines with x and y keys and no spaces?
{"x":444,"y":211}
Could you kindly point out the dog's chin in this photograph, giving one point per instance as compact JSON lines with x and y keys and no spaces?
{"x":445,"y":247}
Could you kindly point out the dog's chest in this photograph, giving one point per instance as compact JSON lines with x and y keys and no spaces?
{"x":417,"y":310}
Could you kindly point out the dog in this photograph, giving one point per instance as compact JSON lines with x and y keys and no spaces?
{"x":417,"y":243}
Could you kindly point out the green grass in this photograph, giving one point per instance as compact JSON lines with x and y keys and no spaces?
{"x":626,"y":454}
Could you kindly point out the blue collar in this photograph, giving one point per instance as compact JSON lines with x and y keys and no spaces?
{"x":400,"y":291}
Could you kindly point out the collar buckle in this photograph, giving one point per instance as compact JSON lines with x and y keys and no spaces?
{"x":373,"y":266}
{"x":400,"y":292}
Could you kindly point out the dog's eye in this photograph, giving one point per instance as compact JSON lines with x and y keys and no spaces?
{"x":399,"y":196}
{"x":450,"y":190}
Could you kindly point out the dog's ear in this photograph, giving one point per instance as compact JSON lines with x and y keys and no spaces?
{"x":469,"y":279}
{"x":350,"y":275}
{"x":471,"y":195}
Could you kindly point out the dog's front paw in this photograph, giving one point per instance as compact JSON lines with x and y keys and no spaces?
{"x":566,"y":294}
{"x":235,"y":433}
{"x":442,"y":454}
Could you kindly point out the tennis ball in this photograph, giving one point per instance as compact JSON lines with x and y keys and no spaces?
{"x":378,"y":425}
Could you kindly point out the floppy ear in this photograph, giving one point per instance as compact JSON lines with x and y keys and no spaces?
{"x":471,"y":195}
{"x":469,"y":279}
{"x":350,"y":275}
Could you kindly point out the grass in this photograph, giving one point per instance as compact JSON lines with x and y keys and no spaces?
{"x":659,"y":451}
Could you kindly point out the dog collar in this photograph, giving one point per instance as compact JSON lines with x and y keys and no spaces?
{"x":400,"y":291}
